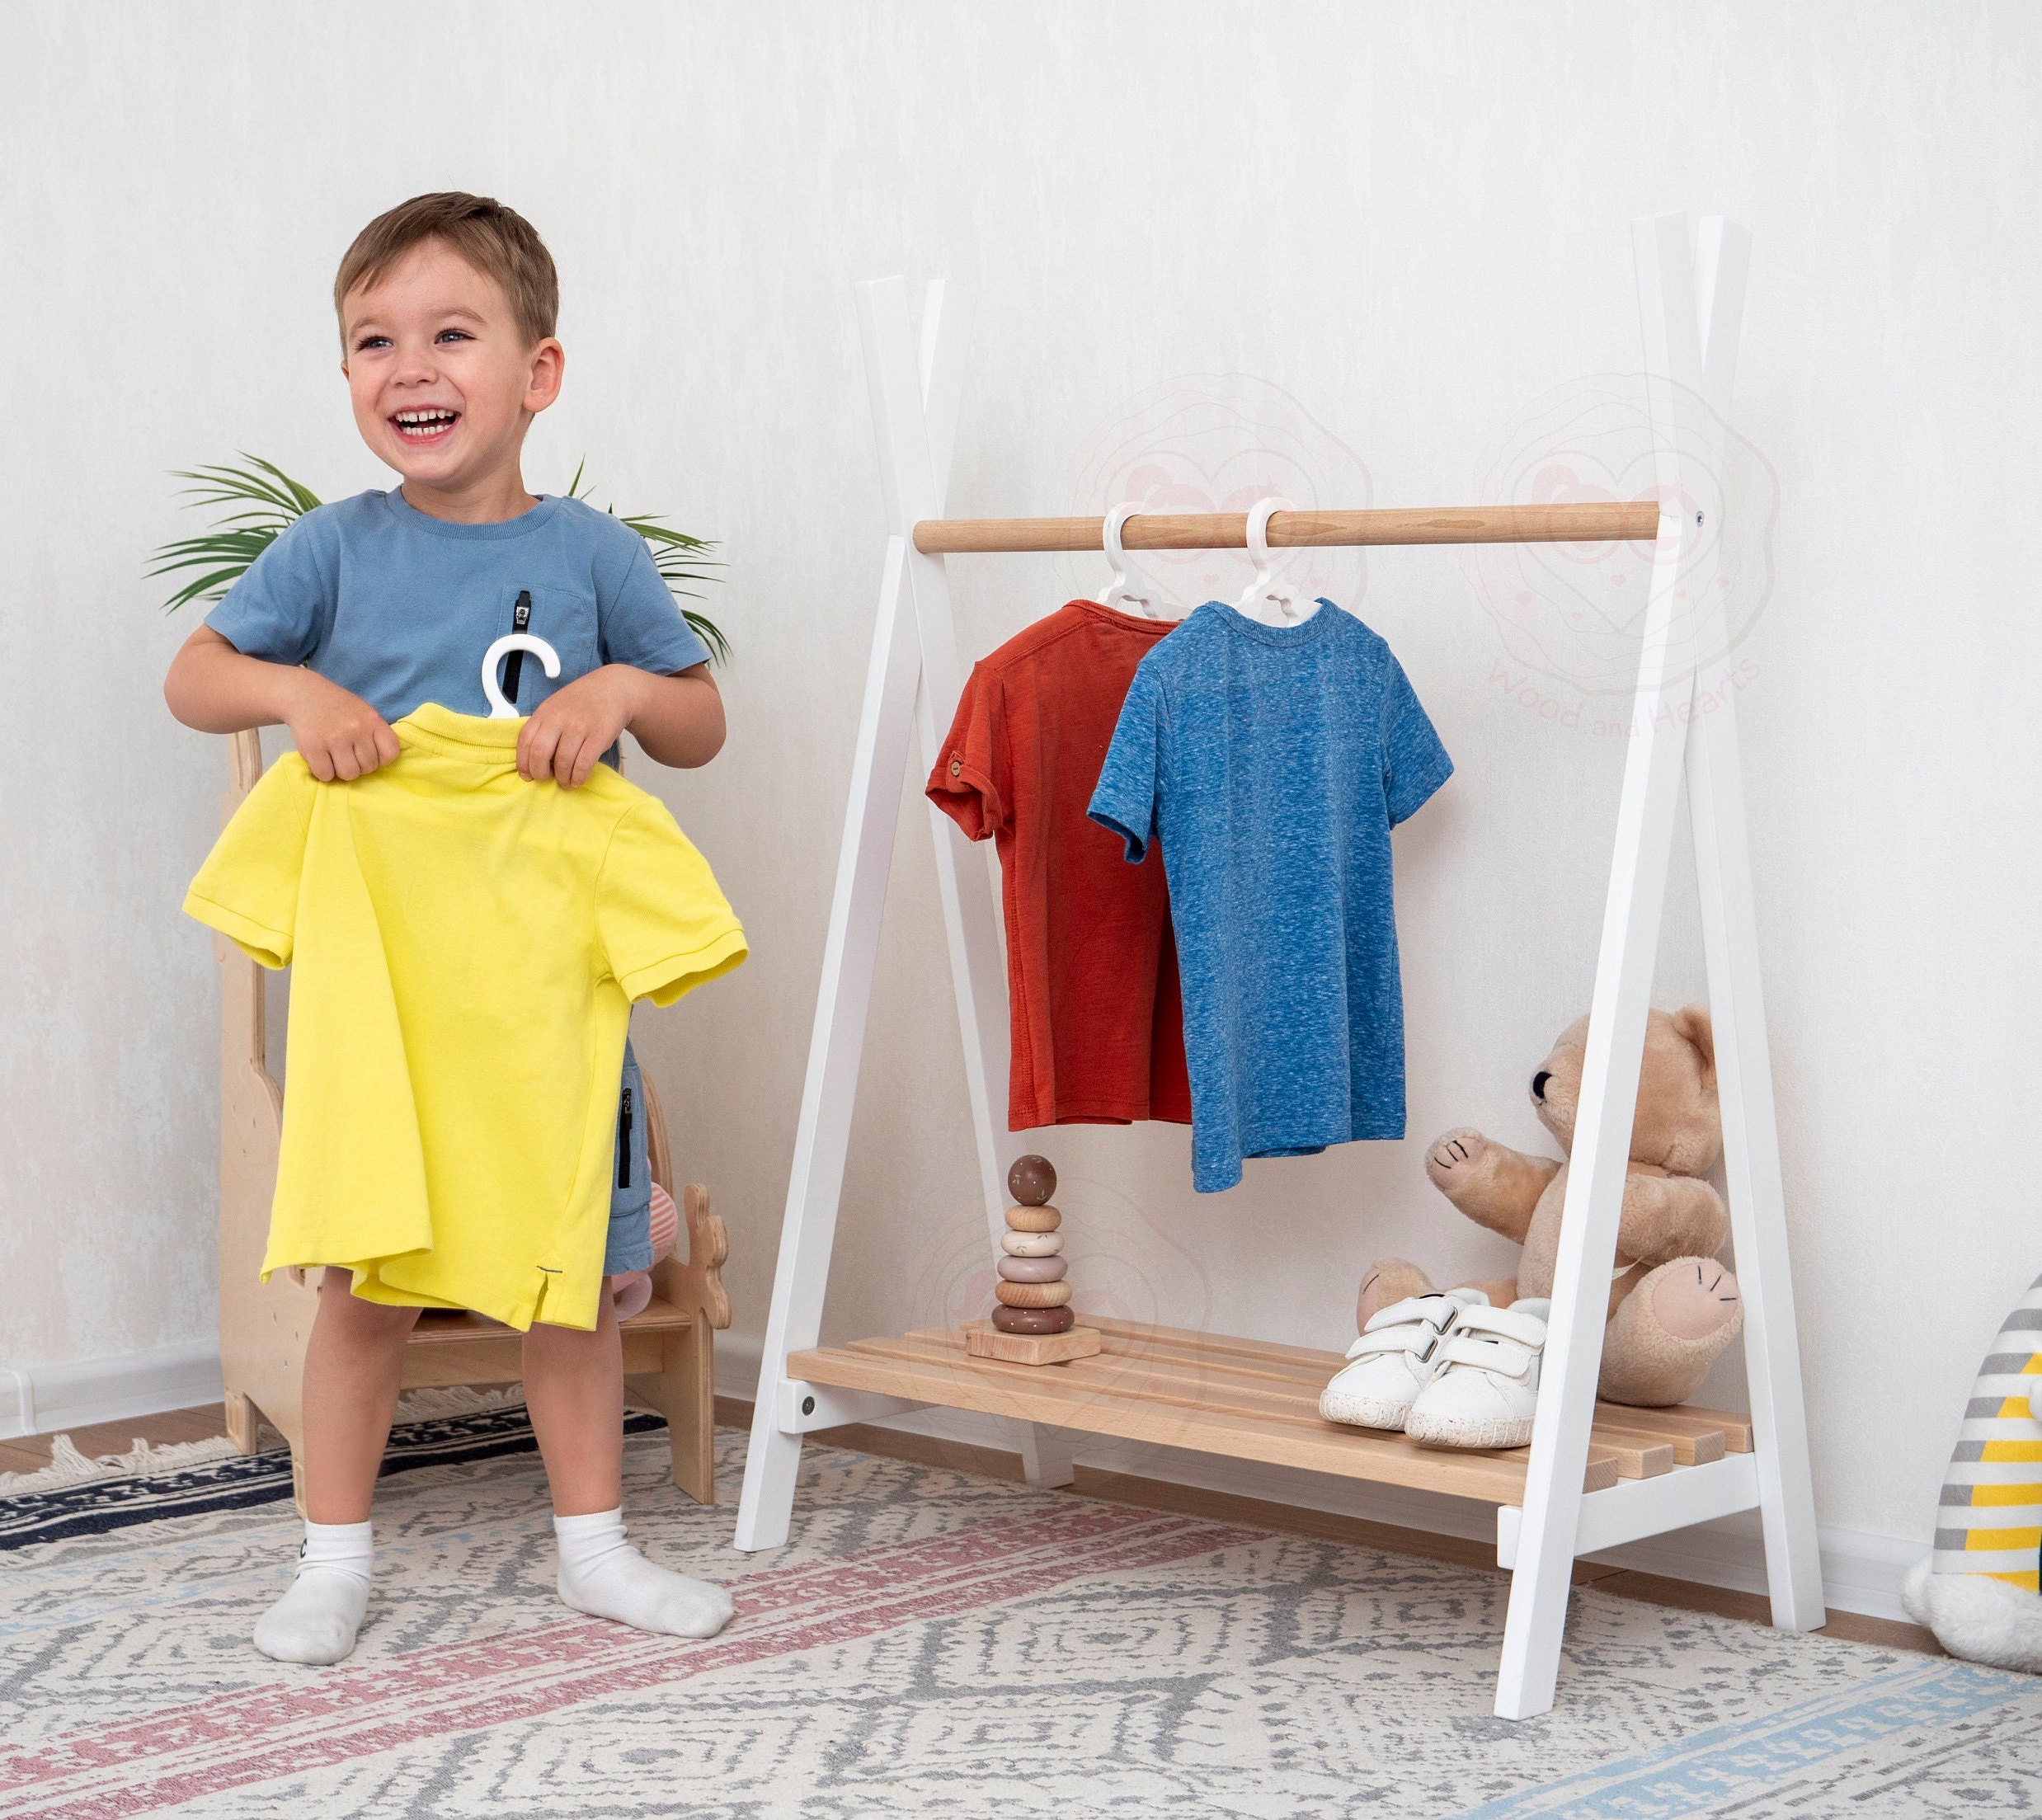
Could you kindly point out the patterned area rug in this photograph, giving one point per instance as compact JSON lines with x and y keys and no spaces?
{"x":934,"y":1643}
{"x":77,"y":1496}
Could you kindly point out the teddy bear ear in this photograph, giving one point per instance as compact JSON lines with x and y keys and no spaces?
{"x":1693,"y":1022}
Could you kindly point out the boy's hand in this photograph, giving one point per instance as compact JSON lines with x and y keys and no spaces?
{"x":337,"y":733}
{"x":218,"y":689}
{"x":570,"y":730}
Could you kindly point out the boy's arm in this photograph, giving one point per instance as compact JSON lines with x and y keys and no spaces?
{"x":217,"y":689}
{"x":678,"y":719}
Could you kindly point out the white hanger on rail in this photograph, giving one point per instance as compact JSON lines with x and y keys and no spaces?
{"x":1269,"y":598}
{"x":1125,"y":591}
{"x":500,"y":707}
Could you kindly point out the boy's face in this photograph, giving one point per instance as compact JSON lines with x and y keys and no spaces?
{"x":443,"y":382}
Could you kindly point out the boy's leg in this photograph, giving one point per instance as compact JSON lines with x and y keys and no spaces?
{"x":354,"y":1368}
{"x":574,"y":1386}
{"x":354,"y":1364}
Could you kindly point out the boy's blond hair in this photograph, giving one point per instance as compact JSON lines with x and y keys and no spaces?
{"x":497,"y":241}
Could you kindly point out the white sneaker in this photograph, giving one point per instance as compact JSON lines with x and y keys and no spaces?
{"x":1483,"y":1387}
{"x":1393,"y":1359}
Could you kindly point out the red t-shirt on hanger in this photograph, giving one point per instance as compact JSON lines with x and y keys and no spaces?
{"x":1092,"y":989}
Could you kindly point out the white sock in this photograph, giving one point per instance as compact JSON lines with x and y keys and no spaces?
{"x":603,"y":1575}
{"x":316,"y":1620}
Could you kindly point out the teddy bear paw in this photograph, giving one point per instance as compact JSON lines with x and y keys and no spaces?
{"x":1455,"y":1159}
{"x":1696,"y":1299}
{"x":1389,"y":1280}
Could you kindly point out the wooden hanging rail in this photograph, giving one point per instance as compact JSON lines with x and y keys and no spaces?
{"x":1620,"y":521}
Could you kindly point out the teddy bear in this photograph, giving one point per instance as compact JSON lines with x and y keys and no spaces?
{"x":1672,"y":1310}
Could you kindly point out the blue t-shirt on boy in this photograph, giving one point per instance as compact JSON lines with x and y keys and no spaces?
{"x":1271,"y":763}
{"x":399,"y":608}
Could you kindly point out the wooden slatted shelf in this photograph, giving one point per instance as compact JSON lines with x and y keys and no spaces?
{"x":1248,"y":1398}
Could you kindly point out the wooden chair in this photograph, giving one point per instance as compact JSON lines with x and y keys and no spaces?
{"x":669,"y":1347}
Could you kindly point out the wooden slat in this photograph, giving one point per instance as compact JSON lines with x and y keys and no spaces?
{"x":434,"y":1328}
{"x":1684,"y":1419}
{"x":1145,"y":1333}
{"x":1620,"y":521}
{"x":1688,"y":1450}
{"x":1298,"y":1363}
{"x":1050,"y":1394}
{"x":1638,"y":1456}
{"x":449,"y":1349}
{"x":1171,"y":1360}
{"x":472,"y":1361}
{"x":1180,"y":1387}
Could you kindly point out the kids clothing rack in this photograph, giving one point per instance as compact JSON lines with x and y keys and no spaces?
{"x":1595,"y":1475}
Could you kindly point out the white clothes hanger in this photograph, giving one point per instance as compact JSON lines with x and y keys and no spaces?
{"x":1268,"y":598}
{"x":500,"y":708}
{"x":1126,"y":589}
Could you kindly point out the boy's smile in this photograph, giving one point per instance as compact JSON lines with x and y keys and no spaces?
{"x":422,"y":425}
{"x":444,"y":384}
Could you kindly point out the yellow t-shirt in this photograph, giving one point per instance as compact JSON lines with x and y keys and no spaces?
{"x":465,"y":949}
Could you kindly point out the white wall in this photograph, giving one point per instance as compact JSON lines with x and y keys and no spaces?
{"x":1412,"y":220}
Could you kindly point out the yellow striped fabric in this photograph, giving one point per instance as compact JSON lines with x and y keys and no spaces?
{"x":1990,"y":1520}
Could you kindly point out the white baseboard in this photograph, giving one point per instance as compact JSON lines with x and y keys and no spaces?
{"x":40,"y":1399}
{"x":1860,"y":1572}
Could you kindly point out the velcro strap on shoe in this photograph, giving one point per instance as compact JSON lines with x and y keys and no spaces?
{"x":1431,"y":1311}
{"x":1414,"y":1337}
{"x":1496,"y":1352}
{"x":1525,"y":1329}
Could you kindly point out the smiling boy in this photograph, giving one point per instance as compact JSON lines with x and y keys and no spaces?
{"x":355,"y":616}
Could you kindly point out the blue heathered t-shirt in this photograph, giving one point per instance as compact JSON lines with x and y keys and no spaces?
{"x":1271,"y":763}
{"x":399,"y":608}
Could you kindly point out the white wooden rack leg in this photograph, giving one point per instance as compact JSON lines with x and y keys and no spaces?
{"x":1593,"y":1477}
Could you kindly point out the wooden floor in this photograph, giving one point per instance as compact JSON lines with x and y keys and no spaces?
{"x":26,"y":1455}
{"x":31,"y":1453}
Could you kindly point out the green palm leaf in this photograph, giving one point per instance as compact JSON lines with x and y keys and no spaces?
{"x":679,"y":558}
{"x":270,"y":501}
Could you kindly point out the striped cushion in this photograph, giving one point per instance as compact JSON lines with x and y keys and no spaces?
{"x":1990,"y":1520}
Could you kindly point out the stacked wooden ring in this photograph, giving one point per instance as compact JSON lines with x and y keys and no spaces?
{"x":1033,"y":1296}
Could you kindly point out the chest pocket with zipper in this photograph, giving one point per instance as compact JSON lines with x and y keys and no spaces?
{"x":566,"y":618}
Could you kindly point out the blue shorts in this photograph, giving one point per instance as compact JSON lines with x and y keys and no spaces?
{"x":630,"y":1243}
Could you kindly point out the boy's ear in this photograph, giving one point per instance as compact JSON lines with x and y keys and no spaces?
{"x":549,"y":362}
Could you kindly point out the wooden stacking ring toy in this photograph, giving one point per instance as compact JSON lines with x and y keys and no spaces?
{"x":1031,"y":1180}
{"x":1033,"y":1321}
{"x":1033,"y":1270}
{"x":1033,"y":1295}
{"x":1042,"y":1321}
{"x":1034,"y":1219}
